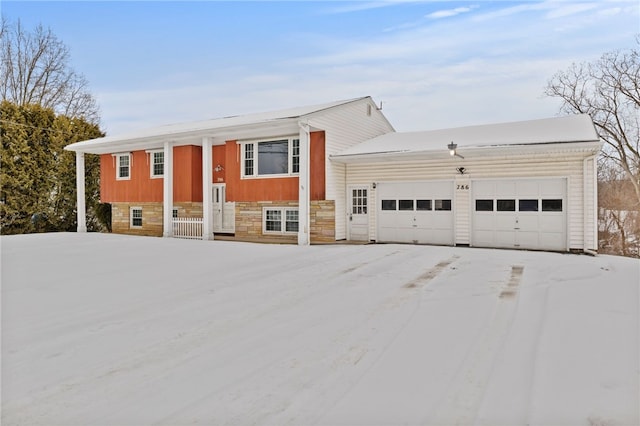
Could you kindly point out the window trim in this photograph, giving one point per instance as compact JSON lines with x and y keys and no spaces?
{"x":152,"y":163}
{"x":131,"y":225}
{"x":283,"y":220}
{"x":117,"y":157}
{"x":256,"y":160}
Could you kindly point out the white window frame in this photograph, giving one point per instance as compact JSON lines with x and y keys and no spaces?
{"x":283,"y":221}
{"x":131,"y":225}
{"x":152,"y":163}
{"x":117,"y":164}
{"x":256,"y":173}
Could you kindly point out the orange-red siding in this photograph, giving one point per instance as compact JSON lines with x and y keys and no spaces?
{"x":187,"y":176}
{"x":187,"y":180}
{"x":273,"y":189}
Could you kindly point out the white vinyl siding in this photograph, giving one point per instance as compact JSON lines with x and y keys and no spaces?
{"x":569,"y":166}
{"x":344,"y":127}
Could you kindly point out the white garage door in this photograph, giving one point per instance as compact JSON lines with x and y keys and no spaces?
{"x":520,"y":213}
{"x":415,"y":212}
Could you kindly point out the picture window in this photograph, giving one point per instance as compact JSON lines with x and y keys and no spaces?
{"x":271,"y":158}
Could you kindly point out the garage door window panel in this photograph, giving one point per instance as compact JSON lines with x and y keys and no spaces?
{"x":552,"y":205}
{"x":484,"y":205}
{"x":442,"y":205}
{"x":405,"y":205}
{"x":423,"y":205}
{"x":506,"y":205}
{"x":389,"y":205}
{"x":528,"y":205}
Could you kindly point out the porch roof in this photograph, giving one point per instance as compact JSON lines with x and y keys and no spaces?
{"x":570,"y":132}
{"x":220,"y":129}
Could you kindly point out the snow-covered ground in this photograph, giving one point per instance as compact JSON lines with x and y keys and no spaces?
{"x":116,"y":330}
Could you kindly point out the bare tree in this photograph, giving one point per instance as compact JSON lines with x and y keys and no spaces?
{"x":609,"y":91}
{"x":34,"y":69}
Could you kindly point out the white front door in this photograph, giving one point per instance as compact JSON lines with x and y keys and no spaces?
{"x":218,"y":200}
{"x":357,"y":215}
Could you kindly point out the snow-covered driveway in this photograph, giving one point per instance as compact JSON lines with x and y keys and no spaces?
{"x":115,"y":330}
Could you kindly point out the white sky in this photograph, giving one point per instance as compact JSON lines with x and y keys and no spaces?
{"x":433,"y":64}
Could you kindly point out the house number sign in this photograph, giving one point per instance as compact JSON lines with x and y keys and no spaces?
{"x":462,"y":187}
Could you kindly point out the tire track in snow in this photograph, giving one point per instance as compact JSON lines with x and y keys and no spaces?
{"x":395,"y":309}
{"x":462,"y":401}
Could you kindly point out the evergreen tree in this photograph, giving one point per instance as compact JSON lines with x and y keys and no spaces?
{"x":37,"y":176}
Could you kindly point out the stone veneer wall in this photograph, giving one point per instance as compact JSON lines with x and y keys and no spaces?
{"x":151,"y":217}
{"x":249,"y":220}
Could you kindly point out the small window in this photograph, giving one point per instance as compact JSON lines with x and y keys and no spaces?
{"x":157,"y":164}
{"x":405,"y":205}
{"x":273,"y":221}
{"x":295,"y":156}
{"x":388,"y":204}
{"x":423,"y":205}
{"x":280,"y":220}
{"x":359,"y":201}
{"x":248,"y":159}
{"x":136,"y":217}
{"x":174,"y":213}
{"x":442,"y":205}
{"x":484,"y":205}
{"x":506,"y":205}
{"x":291,"y":224}
{"x":528,"y":205}
{"x":124,"y":166}
{"x":552,"y":205}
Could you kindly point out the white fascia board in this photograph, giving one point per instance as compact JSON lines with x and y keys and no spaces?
{"x":109,"y":145}
{"x":589,"y":148}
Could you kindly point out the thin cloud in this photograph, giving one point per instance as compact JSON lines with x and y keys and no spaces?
{"x":450,"y":12}
{"x":368,"y":5}
{"x":571,"y":9}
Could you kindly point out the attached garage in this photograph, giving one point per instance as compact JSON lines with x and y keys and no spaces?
{"x":415,"y":212}
{"x":523,"y":185}
{"x":520,"y":213}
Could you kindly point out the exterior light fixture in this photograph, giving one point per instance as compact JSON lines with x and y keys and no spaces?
{"x":218,"y":168}
{"x":452,"y":150}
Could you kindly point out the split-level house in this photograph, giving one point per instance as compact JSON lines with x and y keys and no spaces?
{"x":339,"y":171}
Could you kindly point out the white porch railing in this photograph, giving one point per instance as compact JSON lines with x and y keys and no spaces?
{"x":187,"y":227}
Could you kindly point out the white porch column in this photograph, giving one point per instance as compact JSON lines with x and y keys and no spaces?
{"x":207,"y":177}
{"x":80,"y":193}
{"x":167,"y":191}
{"x":303,"y":189}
